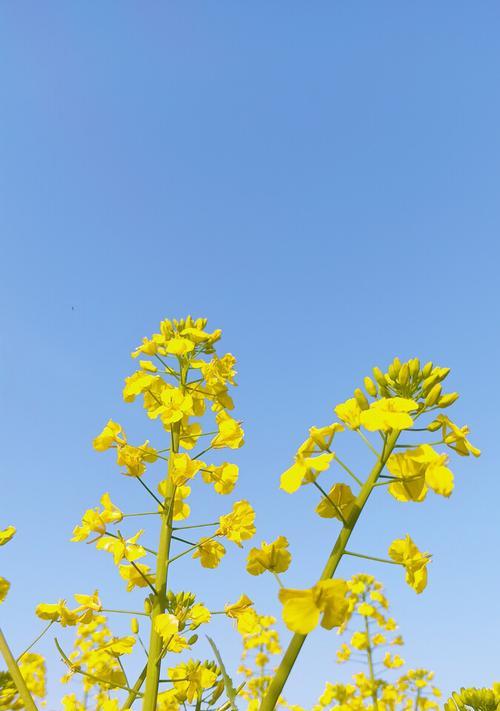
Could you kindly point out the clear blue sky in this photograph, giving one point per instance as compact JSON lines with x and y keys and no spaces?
{"x":322,"y":181}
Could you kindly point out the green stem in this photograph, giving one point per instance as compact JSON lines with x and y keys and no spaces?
{"x":16,"y":675}
{"x":189,"y":550}
{"x":198,"y":525}
{"x":45,"y":629}
{"x":283,"y":671}
{"x":134,"y":692}
{"x":371,"y":557}
{"x":125,"y":612}
{"x":160,"y":599}
{"x":369,"y":444}
{"x":346,"y":468}
{"x":369,"y":653}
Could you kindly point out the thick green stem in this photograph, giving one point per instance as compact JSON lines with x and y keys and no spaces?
{"x":291,"y":654}
{"x":135,"y":689}
{"x":160,"y":599}
{"x":16,"y":675}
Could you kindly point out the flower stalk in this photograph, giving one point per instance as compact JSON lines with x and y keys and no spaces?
{"x":293,"y":650}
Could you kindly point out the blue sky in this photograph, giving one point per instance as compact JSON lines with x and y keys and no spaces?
{"x":322,"y":182}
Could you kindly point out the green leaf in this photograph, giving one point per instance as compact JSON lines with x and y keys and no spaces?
{"x":231,"y":692}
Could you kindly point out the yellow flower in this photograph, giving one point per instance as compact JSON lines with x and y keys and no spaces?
{"x":406,"y":553}
{"x":350,"y":413}
{"x":133,"y":458}
{"x":58,"y":612}
{"x":137,"y":383}
{"x":94,"y":521}
{"x":148,"y":347}
{"x":4,"y":588}
{"x":456,"y":437}
{"x":320,"y":439}
{"x":304,"y":471}
{"x":110,"y":513}
{"x":137,"y":575}
{"x":189,"y":434}
{"x":122,"y":548}
{"x":179,"y":346}
{"x":181,"y":510}
{"x":359,"y":640}
{"x":230,"y":432}
{"x":393,"y":661}
{"x":238,"y":525}
{"x":339,"y":503}
{"x":302,"y":608}
{"x":209,"y":552}
{"x":419,"y":469}
{"x":175,"y":404}
{"x":191,"y":678}
{"x":166,"y":625}
{"x":119,"y":645}
{"x":7,"y":534}
{"x":223,"y":477}
{"x":270,"y":556}
{"x":183,"y":468}
{"x":199,"y":615}
{"x":343,"y":654}
{"x":88,"y":602}
{"x":247,"y":621}
{"x":108,"y":437}
{"x":388,"y":414}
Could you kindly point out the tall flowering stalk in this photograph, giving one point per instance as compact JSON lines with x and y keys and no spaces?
{"x":184,"y":386}
{"x":185,"y":389}
{"x":373,"y":649}
{"x":394,"y":403}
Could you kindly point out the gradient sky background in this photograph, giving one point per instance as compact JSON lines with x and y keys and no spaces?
{"x":322,"y":181}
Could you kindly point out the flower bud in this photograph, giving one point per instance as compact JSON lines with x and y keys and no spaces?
{"x":426,"y":370}
{"x":448,"y":400}
{"x":148,"y":606}
{"x":442,"y":373}
{"x":361,"y":399}
{"x":433,"y":395}
{"x":428,"y":384}
{"x":414,"y":366}
{"x":384,"y":392}
{"x":404,"y":374}
{"x":370,"y":386}
{"x":193,"y":639}
{"x":433,"y":426}
{"x":379,"y":376}
{"x":394,"y":367}
{"x":134,"y":625}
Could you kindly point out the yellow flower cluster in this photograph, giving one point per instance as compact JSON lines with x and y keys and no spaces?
{"x":33,"y":669}
{"x":185,"y":391}
{"x":372,"y":642}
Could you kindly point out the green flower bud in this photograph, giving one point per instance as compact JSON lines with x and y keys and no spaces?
{"x":427,"y":369}
{"x":433,"y":426}
{"x":448,"y":400}
{"x":433,"y":395}
{"x":379,"y":376}
{"x":370,"y":387}
{"x":404,"y":374}
{"x":414,"y":366}
{"x":361,"y":399}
